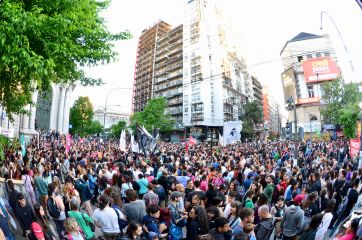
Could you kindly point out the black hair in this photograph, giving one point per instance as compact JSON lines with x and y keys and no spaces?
{"x":220,"y":222}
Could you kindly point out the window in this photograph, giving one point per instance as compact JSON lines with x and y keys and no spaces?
{"x":196,"y":96}
{"x":318,"y":55}
{"x":309,"y":56}
{"x":310,"y":91}
{"x":195,"y":87}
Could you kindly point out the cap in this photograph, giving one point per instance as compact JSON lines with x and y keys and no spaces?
{"x":175,"y":195}
{"x":37,"y":230}
{"x":298,"y":199}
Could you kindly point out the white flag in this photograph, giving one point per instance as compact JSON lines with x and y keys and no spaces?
{"x":134,"y":145}
{"x":221,"y":140}
{"x":122,"y":141}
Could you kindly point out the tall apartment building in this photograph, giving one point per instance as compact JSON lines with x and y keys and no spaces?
{"x":308,"y":61}
{"x":144,"y":70}
{"x":168,"y":72}
{"x":271,"y":113}
{"x":214,"y":80}
{"x":257,"y":87}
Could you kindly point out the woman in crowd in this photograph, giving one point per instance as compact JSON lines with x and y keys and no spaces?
{"x":310,"y":231}
{"x":198,"y":222}
{"x":134,"y":232}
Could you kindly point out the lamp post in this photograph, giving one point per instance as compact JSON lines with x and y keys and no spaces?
{"x":105,"y":105}
{"x":340,"y":36}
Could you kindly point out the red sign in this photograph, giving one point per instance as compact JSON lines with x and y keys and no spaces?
{"x":354,"y":145}
{"x":308,"y":100}
{"x":192,"y":141}
{"x":320,"y":69}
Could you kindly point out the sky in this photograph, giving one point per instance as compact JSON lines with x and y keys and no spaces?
{"x":263,"y":27}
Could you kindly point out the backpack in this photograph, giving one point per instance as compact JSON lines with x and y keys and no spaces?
{"x":53,"y":209}
{"x":135,"y":186}
{"x":240,"y":190}
{"x":88,"y":192}
{"x":121,"y":223}
{"x":160,"y":192}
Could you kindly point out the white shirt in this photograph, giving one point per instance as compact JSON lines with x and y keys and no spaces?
{"x":136,"y":173}
{"x":227,"y":210}
{"x":323,"y":227}
{"x":107,"y":219}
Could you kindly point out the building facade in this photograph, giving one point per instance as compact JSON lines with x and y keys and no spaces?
{"x":308,"y":61}
{"x":214,"y":78}
{"x":271,"y":114}
{"x":51,"y":112}
{"x":110,"y":117}
{"x":168,"y":72}
{"x":257,"y":88}
{"x":144,"y":69}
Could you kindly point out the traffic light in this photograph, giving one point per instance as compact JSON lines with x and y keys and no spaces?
{"x":287,"y":131}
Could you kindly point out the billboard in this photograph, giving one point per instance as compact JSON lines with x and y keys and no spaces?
{"x":288,"y":80}
{"x":320,"y":69}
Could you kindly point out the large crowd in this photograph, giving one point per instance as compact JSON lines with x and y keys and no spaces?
{"x":247,"y":191}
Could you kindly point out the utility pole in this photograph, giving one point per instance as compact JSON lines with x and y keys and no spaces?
{"x":295,"y":129}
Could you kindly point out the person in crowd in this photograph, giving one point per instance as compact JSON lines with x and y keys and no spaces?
{"x":269,"y":189}
{"x":151,"y":221}
{"x":310,"y":207}
{"x":150,"y":197}
{"x":293,"y":219}
{"x":85,"y":194}
{"x":73,"y":232}
{"x":42,"y":188}
{"x":266,"y":226}
{"x":230,"y":199}
{"x":134,"y":232}
{"x":222,"y":230}
{"x":56,"y":209}
{"x":24,"y":213}
{"x":246,"y":216}
{"x":43,"y":222}
{"x":213,"y":213}
{"x":106,"y":218}
{"x":135,"y":210}
{"x":326,"y":221}
{"x":143,"y":183}
{"x":277,"y":211}
{"x":248,"y":203}
{"x":28,"y":184}
{"x":126,"y":184}
{"x":4,"y":226}
{"x":310,"y":231}
{"x":160,"y":191}
{"x":83,"y":219}
{"x":233,"y":218}
{"x":198,"y":222}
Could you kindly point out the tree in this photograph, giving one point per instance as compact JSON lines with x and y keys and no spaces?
{"x":253,"y":115}
{"x":50,"y":41}
{"x":153,"y":116}
{"x":117,"y":128}
{"x":81,"y":115}
{"x":341,"y":105}
{"x":93,"y":127}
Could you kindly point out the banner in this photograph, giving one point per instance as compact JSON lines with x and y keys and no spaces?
{"x":147,"y":142}
{"x":22,"y":144}
{"x":232,"y":132}
{"x":320,"y":69}
{"x":354,"y":145}
{"x":134,"y":145}
{"x":192,"y":141}
{"x":122,"y":141}
{"x":221,"y":140}
{"x":68,"y":142}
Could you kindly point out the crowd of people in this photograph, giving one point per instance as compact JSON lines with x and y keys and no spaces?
{"x":247,"y":191}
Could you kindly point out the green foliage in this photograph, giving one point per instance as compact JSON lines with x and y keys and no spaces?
{"x":253,"y":112}
{"x":117,"y":128}
{"x":253,"y":115}
{"x":81,"y":115}
{"x":7,"y":144}
{"x":341,"y":102}
{"x":153,"y":116}
{"x":50,"y":41}
{"x":93,"y":127}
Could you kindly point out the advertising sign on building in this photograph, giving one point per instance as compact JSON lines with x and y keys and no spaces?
{"x":320,"y":69}
{"x":288,"y":80}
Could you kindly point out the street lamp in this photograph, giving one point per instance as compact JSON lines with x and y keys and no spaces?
{"x":340,"y":36}
{"x":105,"y":105}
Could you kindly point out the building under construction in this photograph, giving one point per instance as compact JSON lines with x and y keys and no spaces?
{"x":168,"y":72}
{"x":144,"y":71}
